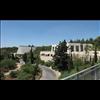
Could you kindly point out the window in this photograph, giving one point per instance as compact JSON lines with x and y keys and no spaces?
{"x":72,"y":48}
{"x":47,"y":55}
{"x":81,"y":47}
{"x":77,"y":48}
{"x":42,"y":54}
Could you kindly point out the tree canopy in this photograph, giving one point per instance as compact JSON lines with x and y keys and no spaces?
{"x":61,"y":58}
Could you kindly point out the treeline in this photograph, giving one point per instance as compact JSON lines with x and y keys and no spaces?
{"x":42,"y":48}
{"x":95,"y":41}
{"x":91,"y":40}
{"x":6,"y":52}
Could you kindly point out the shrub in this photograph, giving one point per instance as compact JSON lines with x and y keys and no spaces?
{"x":41,"y":62}
{"x":49,"y":63}
{"x":13,"y":74}
{"x":78,"y":63}
{"x":7,"y":64}
{"x":28,"y":71}
{"x":2,"y":76}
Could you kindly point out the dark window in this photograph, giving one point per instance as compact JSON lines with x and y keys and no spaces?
{"x":43,"y":54}
{"x":72,"y":48}
{"x":47,"y":54}
{"x":77,"y":48}
{"x":81,"y":47}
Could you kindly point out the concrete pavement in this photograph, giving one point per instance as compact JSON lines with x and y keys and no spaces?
{"x":48,"y":74}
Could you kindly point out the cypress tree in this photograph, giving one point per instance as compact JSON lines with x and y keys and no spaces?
{"x":61,"y":58}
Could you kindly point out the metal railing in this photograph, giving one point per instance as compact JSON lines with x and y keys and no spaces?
{"x":91,"y":73}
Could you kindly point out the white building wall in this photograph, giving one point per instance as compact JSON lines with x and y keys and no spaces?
{"x":76,"y":53}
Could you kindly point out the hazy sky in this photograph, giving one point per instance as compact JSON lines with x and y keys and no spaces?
{"x":46,"y":32}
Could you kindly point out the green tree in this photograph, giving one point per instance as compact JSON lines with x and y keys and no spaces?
{"x":78,"y":41}
{"x":2,"y":77}
{"x":28,"y":72}
{"x":71,"y":61}
{"x":96,"y":45}
{"x":32,"y":56}
{"x":91,"y":40}
{"x":97,"y":42}
{"x":6,"y":52}
{"x":13,"y":74}
{"x":49,"y":64}
{"x":12,"y":56}
{"x":1,"y":57}
{"x":36,"y":71}
{"x":71,"y":41}
{"x":7,"y":64}
{"x":61,"y":57}
{"x":95,"y":55}
{"x":82,"y":41}
{"x":25,"y":57}
{"x":87,"y":41}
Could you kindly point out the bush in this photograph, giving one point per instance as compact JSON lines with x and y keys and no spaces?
{"x":6,"y":65}
{"x":78,"y":63}
{"x":24,"y":76}
{"x":49,"y":63}
{"x":41,"y":62}
{"x":28,"y":72}
{"x":2,"y":76}
{"x":13,"y":74}
{"x":1,"y":57}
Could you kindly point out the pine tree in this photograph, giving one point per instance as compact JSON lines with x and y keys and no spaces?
{"x":97,"y":42}
{"x":71,"y":61}
{"x":61,"y":58}
{"x":12,"y":56}
{"x":91,"y":40}
{"x":87,"y":41}
{"x":95,"y":55}
{"x":31,"y":56}
{"x":25,"y":57}
{"x":71,"y":41}
{"x":82,"y":41}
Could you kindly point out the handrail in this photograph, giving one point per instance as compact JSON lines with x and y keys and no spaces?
{"x":76,"y":74}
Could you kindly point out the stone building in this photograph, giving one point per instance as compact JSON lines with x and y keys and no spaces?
{"x":77,"y":50}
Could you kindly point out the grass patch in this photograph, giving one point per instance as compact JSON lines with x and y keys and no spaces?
{"x":67,"y":73}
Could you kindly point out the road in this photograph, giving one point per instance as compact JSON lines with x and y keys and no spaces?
{"x":47,"y":73}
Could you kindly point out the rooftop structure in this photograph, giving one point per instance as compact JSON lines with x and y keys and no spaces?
{"x":24,"y":49}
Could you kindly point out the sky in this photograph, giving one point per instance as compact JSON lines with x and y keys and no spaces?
{"x":46,"y":32}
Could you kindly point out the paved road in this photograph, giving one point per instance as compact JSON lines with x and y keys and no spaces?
{"x":47,"y":73}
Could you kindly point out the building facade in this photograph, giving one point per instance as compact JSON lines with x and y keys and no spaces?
{"x":77,"y":50}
